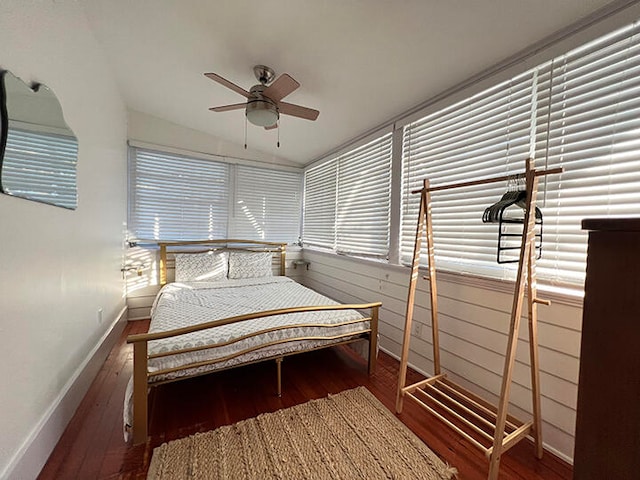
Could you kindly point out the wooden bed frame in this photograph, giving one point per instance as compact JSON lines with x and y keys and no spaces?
{"x":142,"y":378}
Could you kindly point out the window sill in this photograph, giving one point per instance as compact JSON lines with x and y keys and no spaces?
{"x":565,"y":295}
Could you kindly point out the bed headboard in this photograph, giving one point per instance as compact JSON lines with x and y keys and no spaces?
{"x":199,"y":246}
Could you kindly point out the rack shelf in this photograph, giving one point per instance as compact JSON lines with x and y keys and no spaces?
{"x":489,"y":428}
{"x":467,"y":414}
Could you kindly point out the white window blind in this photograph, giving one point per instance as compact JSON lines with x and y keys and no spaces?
{"x":320,"y":188}
{"x":346,"y":206}
{"x":41,"y":166}
{"x":267,"y":204}
{"x":486,"y":135}
{"x":584,"y":108}
{"x":364,"y":182}
{"x":174,"y":197}
{"x":593,"y":131}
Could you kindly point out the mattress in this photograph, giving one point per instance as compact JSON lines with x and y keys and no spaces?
{"x":182,"y":304}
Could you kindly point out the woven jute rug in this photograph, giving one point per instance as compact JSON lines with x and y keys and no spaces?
{"x":350,"y":435}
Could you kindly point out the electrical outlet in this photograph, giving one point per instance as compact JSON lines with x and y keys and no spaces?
{"x":99,"y":315}
{"x":416,"y":329}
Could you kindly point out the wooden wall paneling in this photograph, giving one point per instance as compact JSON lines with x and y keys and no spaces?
{"x":553,"y":338}
{"x":475,"y":331}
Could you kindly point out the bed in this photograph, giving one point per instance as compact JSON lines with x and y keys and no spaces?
{"x":230,"y":305}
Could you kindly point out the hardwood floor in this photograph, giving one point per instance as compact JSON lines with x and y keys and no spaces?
{"x":92,"y":447}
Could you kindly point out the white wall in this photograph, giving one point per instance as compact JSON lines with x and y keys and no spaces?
{"x":58,"y":267}
{"x":161,"y":133}
{"x":474,"y":324}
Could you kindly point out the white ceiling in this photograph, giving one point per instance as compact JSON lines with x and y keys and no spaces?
{"x":360,"y":62}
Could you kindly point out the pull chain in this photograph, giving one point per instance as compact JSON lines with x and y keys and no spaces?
{"x":278,"y":128}
{"x":245,"y":132}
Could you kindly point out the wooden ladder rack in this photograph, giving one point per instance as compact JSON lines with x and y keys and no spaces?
{"x":491,"y":429}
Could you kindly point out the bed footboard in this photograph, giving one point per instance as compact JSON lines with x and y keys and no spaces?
{"x":140,"y":392}
{"x":142,"y":377}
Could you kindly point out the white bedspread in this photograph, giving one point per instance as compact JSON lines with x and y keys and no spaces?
{"x":182,"y":304}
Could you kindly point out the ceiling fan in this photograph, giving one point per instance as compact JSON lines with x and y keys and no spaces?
{"x":264,"y":101}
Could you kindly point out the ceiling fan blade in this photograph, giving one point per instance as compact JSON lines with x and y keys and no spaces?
{"x":227,"y":108}
{"x":272,"y":127}
{"x":298,"y":111}
{"x":281,"y":87}
{"x":223,"y":81}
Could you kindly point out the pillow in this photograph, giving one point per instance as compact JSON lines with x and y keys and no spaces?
{"x":250,"y":264}
{"x":202,"y":267}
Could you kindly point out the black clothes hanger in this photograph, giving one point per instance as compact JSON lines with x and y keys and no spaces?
{"x":515,"y":195}
{"x":495,"y":213}
{"x":501,"y":213}
{"x":492,"y":213}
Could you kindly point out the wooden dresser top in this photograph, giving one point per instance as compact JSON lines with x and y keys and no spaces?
{"x":612,"y":224}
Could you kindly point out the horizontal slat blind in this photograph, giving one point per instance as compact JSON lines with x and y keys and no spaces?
{"x":267,"y":204}
{"x":173,"y":197}
{"x":592,"y":130}
{"x":320,"y":205}
{"x":584,"y":108}
{"x":486,"y":135}
{"x":364,"y":182}
{"x":41,"y":166}
{"x":346,"y":204}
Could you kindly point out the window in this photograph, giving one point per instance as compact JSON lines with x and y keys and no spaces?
{"x":593,"y":131}
{"x":347,"y":201}
{"x":483,"y":136}
{"x":267,"y":204}
{"x":364,"y":183}
{"x":320,"y":188}
{"x":580,"y":111}
{"x":173,"y":197}
{"x":176,"y":197}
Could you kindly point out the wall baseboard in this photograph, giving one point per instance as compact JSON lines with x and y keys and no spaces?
{"x":34,"y":452}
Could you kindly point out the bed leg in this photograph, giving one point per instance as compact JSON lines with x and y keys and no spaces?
{"x":373,"y":340}
{"x":140,"y":393}
{"x":279,"y":375}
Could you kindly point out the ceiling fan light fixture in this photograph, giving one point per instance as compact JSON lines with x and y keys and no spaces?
{"x":262,"y":113}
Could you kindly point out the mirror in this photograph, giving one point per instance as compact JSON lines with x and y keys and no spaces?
{"x":38,"y":151}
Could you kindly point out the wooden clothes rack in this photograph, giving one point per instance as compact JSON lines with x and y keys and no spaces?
{"x":488,"y":428}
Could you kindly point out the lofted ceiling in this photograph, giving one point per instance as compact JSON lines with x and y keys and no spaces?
{"x":360,"y":62}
